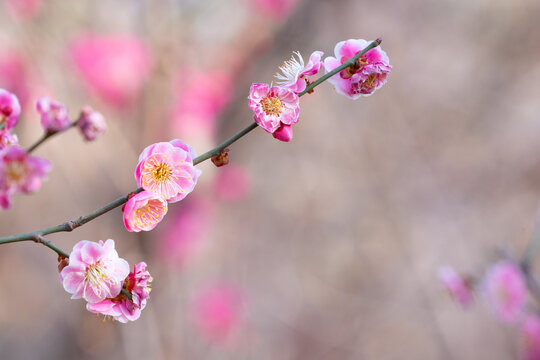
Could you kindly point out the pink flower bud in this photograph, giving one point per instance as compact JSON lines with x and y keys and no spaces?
{"x":456,"y":285}
{"x":54,"y":116}
{"x":222,"y":159}
{"x":91,"y":124}
{"x":144,"y":211}
{"x":284,"y":133}
{"x":506,"y":290}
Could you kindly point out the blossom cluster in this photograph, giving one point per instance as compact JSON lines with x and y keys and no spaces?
{"x":95,"y":273}
{"x":166,"y":173}
{"x":277,"y":107}
{"x":19,"y":171}
{"x":504,"y":289}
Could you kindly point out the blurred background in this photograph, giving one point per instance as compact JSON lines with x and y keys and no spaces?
{"x":323,"y":248}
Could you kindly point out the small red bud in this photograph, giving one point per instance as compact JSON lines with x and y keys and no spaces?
{"x":221,"y":159}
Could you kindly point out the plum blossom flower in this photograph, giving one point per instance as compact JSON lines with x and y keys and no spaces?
{"x":166,"y":168}
{"x":95,"y":272}
{"x":218,"y":312}
{"x":144,"y":211}
{"x":91,"y":124}
{"x":10,"y":109}
{"x":294,"y":72}
{"x":506,"y":290}
{"x":20,"y":172}
{"x":457,"y":286}
{"x":54,"y":115}
{"x":530,"y":334}
{"x":115,"y":67}
{"x":365,"y":76}
{"x":7,"y":139}
{"x":274,"y":107}
{"x":121,"y":308}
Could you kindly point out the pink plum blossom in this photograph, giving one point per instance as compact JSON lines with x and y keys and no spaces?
{"x":20,"y":172}
{"x":218,"y":312}
{"x":233,"y":183}
{"x":506,"y":290}
{"x":23,"y":9}
{"x":91,"y":124}
{"x":295,"y":74}
{"x":7,"y":139}
{"x":456,"y":285}
{"x":10,"y":109}
{"x":54,"y":115}
{"x":144,"y":211}
{"x":115,"y":67}
{"x":365,"y":76}
{"x":121,"y":308}
{"x":166,"y":168}
{"x":95,"y":272}
{"x":273,"y":106}
{"x":530,"y":335}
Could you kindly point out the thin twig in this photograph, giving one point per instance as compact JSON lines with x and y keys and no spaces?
{"x":70,"y":225}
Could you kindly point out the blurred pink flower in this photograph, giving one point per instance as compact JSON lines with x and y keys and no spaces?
{"x":506,"y":290}
{"x":91,"y":124}
{"x":7,"y":139}
{"x":54,"y":115}
{"x":200,"y":97}
{"x":166,"y":168}
{"x":456,"y":286}
{"x":218,"y":312}
{"x":277,"y":9}
{"x":185,"y":231}
{"x":295,"y":74}
{"x":23,"y":9}
{"x":95,"y":272}
{"x":273,"y":106}
{"x":233,"y":183}
{"x":121,"y":308}
{"x":144,"y":211}
{"x":367,"y":75}
{"x":115,"y":66}
{"x":530,"y":334}
{"x":10,"y":109}
{"x":20,"y":172}
{"x":14,"y":74}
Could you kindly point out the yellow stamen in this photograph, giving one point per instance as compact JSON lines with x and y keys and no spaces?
{"x":272,"y":105}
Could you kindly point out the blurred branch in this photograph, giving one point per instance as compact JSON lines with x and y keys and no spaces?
{"x":71,"y":225}
{"x":47,"y":135}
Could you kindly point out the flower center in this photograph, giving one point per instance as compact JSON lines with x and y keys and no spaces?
{"x":272,"y":105}
{"x":96,"y":276}
{"x":151,"y":213}
{"x":161,"y":172}
{"x":15,"y":171}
